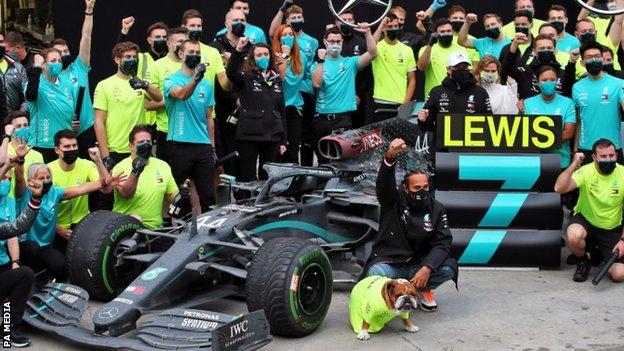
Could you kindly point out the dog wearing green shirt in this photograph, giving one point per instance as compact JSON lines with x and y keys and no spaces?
{"x":376,"y":300}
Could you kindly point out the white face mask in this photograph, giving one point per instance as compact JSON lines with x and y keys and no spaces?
{"x":335,"y":49}
{"x":488,"y":78}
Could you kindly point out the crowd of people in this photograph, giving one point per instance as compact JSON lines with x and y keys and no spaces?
{"x":170,"y":112}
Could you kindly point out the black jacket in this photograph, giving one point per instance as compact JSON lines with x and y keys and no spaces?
{"x":403,"y":235}
{"x":262,"y":103}
{"x":525,"y":75}
{"x":450,"y":97}
{"x":21,"y":223}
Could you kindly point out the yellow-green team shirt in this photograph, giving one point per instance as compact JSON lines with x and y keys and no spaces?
{"x":436,"y":70}
{"x":391,"y":68}
{"x":146,"y":62}
{"x":600,"y":196}
{"x":74,"y":210}
{"x":509,"y":30}
{"x":33,"y":156}
{"x":160,"y":69}
{"x":213,"y":61}
{"x":602,"y":37}
{"x":367,"y":304}
{"x":125,"y":108}
{"x":155,"y":183}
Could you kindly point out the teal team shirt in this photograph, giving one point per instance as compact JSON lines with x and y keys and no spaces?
{"x":187,"y":118}
{"x":253,"y":33}
{"x":568,"y":43}
{"x":308,"y":47}
{"x":51,"y":112}
{"x":559,"y":106}
{"x":7,"y":214}
{"x":598,"y":102}
{"x":488,"y":46}
{"x":43,"y":230}
{"x":337,"y":94}
{"x":292,"y":85}
{"x":78,"y":74}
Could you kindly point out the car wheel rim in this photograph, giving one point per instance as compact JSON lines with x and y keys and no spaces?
{"x":312,"y":289}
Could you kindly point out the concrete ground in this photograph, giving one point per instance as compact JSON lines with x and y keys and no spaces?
{"x":493,"y":310}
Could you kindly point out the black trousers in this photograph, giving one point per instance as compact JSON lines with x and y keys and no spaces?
{"x":161,"y":146}
{"x":48,"y":258}
{"x":106,"y":201}
{"x":86,"y":140}
{"x":293,"y":129}
{"x":225,"y":133}
{"x":48,"y":154}
{"x":194,"y":161}
{"x":307,"y":135}
{"x":324,"y":125}
{"x":382,"y":112}
{"x":15,"y":287}
{"x":249,"y":152}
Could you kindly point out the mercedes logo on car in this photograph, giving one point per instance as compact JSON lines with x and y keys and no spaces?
{"x":613,"y":12}
{"x":387,"y":4}
{"x":108,"y":312}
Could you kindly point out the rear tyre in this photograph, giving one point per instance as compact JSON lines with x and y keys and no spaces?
{"x":291,"y":279}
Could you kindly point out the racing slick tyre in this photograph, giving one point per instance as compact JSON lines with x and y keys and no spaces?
{"x":291,"y":279}
{"x":92,"y":254}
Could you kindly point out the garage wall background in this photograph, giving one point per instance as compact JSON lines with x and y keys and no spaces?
{"x":69,"y":15}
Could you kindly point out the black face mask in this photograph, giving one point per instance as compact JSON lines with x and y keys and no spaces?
{"x":523,"y":30}
{"x":594,"y":67}
{"x":559,"y":25}
{"x":129,"y":66}
{"x":46,"y":185}
{"x":195,"y":34}
{"x":296,"y":25}
{"x":457,"y":25}
{"x":70,"y":156}
{"x":461,"y":76}
{"x":445,"y":40}
{"x":546,"y":56}
{"x":492,"y":33}
{"x":393,"y":34}
{"x":346,"y":29}
{"x":588,"y":37}
{"x":238,"y":29}
{"x":66,"y":60}
{"x":144,"y":149}
{"x":191,"y":61}
{"x":160,"y":46}
{"x":606,"y":167}
{"x":2,"y":50}
{"x":417,"y":200}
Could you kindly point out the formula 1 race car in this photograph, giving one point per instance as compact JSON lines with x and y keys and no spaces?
{"x":281,"y":247}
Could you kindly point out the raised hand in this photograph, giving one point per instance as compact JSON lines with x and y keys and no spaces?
{"x":21,"y":148}
{"x":471,"y":18}
{"x":396,"y":146}
{"x":89,"y":5}
{"x":362,"y":27}
{"x":423,"y":114}
{"x":119,"y":178}
{"x":126,"y":24}
{"x":242,"y":43}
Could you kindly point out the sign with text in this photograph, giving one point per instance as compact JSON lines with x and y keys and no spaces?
{"x":499,"y":133}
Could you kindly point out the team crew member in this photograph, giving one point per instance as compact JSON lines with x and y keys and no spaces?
{"x":157,"y":48}
{"x":308,"y":47}
{"x":293,"y":71}
{"x":414,"y":239}
{"x":119,"y":103}
{"x":70,"y":170}
{"x":597,"y":218}
{"x":394,"y":72}
{"x":160,"y":69}
{"x":150,"y":187}
{"x":457,"y":16}
{"x":603,"y":31}
{"x":558,"y":16}
{"x":493,"y":42}
{"x":551,"y":103}
{"x":254,"y":34}
{"x":19,"y":139}
{"x":503,"y":98}
{"x":14,"y":79}
{"x":16,"y":279}
{"x":189,"y":102}
{"x":77,"y":72}
{"x":261,"y":129}
{"x":334,"y":76}
{"x":37,"y":249}
{"x":433,"y":58}
{"x":598,"y":98}
{"x":527,"y":7}
{"x":16,"y":50}
{"x":50,"y":101}
{"x":608,"y":65}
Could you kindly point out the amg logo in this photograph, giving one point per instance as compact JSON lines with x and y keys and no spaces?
{"x":122,"y":300}
{"x":238,"y":328}
{"x":201,"y":315}
{"x":198,"y":324}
